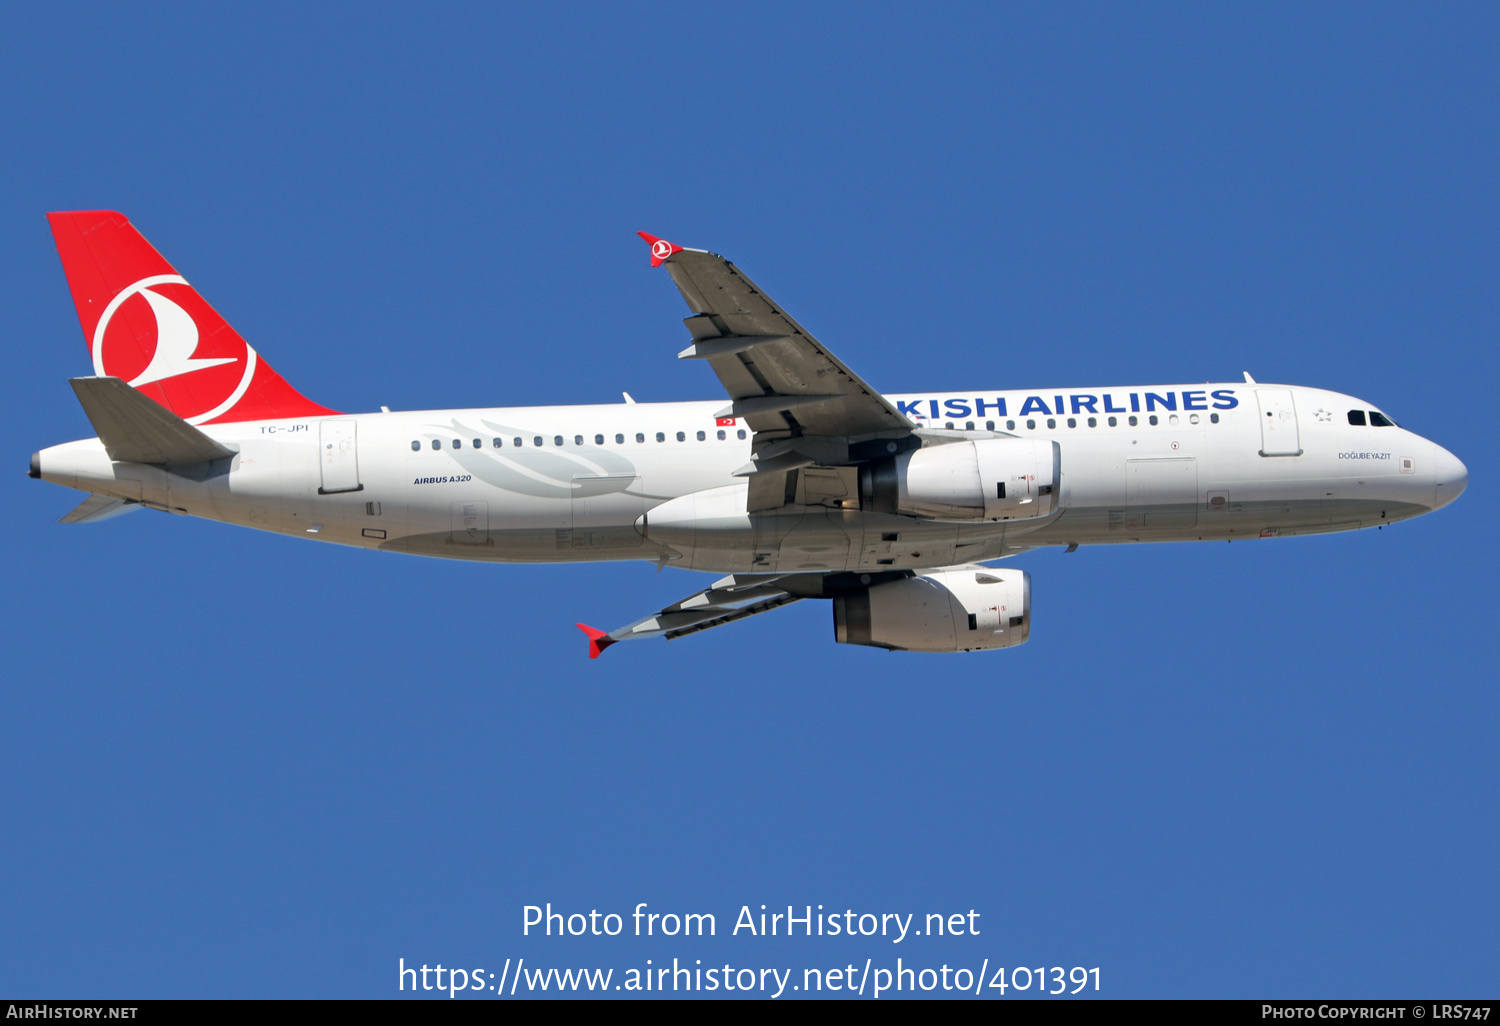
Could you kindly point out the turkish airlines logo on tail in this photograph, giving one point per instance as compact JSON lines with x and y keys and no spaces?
{"x":190,"y":341}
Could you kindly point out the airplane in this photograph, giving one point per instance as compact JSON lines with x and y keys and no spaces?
{"x":805,"y":483}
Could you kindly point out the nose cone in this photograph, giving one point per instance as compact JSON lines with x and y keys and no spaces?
{"x":1450,"y":477}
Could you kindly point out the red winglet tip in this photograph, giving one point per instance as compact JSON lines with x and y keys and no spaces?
{"x":660,"y":248}
{"x":598,"y":640}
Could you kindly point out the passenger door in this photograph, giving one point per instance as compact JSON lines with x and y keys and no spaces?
{"x":1278,"y":423}
{"x":338,"y":455}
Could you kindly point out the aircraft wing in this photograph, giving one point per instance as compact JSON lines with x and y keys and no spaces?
{"x":725,"y":601}
{"x":803,"y":404}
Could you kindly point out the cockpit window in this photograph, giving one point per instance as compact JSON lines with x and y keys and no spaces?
{"x":1357,"y":418}
{"x":1378,"y":419}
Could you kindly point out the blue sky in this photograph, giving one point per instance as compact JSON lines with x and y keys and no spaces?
{"x":240,"y":765}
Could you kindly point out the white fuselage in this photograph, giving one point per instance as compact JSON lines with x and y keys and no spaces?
{"x":578,"y":483}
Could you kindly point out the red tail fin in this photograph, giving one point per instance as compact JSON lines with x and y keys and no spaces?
{"x":146,"y":324}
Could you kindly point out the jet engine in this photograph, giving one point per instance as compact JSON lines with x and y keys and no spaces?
{"x":987,"y":479}
{"x":945,"y":611}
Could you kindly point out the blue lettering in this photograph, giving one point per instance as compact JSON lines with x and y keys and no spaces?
{"x":998,"y":404}
{"x":1109,"y":406}
{"x":957,"y":407}
{"x":1083,"y":403}
{"x":1188,"y":400}
{"x":1135,"y":403}
{"x":933,"y":403}
{"x":908,"y":408}
{"x":1168,"y":402}
{"x":1034,"y":404}
{"x":1059,"y":405}
{"x":1226,"y":398}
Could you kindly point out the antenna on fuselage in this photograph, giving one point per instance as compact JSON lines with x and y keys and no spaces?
{"x":1248,"y":379}
{"x":632,"y":401}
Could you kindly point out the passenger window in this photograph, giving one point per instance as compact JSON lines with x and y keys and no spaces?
{"x":416,"y":447}
{"x":1193,"y":418}
{"x":1134,"y":420}
{"x":1172,"y":419}
{"x":537,"y":440}
{"x":1357,"y":418}
{"x":1010,"y":425}
{"x":557,"y":440}
{"x":682,"y":436}
{"x":740,"y":433}
{"x":499,"y":443}
{"x":639,"y":437}
{"x":1153,"y":419}
{"x":478,"y":444}
{"x":969,"y":426}
{"x":619,"y":439}
{"x":458,"y":443}
{"x":661,"y":436}
{"x":598,"y":439}
{"x":1093,"y":422}
{"x":578,"y":439}
{"x":989,"y":425}
{"x":1072,"y":422}
{"x":1114,"y":421}
{"x":1213,"y":418}
{"x":437,"y":444}
{"x":518,"y":443}
{"x":1051,"y":423}
{"x":1031,"y":425}
{"x":701,"y":436}
{"x":722,"y":436}
{"x":1379,"y":420}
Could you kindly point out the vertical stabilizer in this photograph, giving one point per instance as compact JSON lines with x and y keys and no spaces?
{"x":147,"y":326}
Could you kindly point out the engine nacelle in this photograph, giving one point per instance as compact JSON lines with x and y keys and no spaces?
{"x":987,"y":479}
{"x":946,"y":611}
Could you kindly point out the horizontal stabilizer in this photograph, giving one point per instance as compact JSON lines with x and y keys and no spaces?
{"x":135,"y":429}
{"x":99,"y":507}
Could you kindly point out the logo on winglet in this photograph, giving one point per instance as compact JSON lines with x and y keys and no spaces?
{"x":660,"y":248}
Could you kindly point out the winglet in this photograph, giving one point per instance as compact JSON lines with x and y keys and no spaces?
{"x":660,"y":248}
{"x":598,"y":640}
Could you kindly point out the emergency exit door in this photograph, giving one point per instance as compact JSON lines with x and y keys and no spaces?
{"x":1278,"y":423}
{"x":339,"y":456}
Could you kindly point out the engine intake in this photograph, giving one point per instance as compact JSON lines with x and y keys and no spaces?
{"x":988,"y":479}
{"x":945,"y":611}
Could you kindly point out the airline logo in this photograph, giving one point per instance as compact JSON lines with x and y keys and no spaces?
{"x":660,"y":248}
{"x":150,"y":334}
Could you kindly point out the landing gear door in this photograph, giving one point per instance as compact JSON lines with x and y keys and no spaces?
{"x":339,"y":456}
{"x":1278,"y":423}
